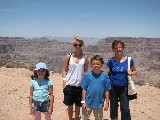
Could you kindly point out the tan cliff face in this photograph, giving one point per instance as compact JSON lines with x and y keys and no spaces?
{"x":24,"y":53}
{"x":14,"y":102}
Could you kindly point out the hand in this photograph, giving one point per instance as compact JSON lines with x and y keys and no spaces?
{"x":64,"y":84}
{"x":31,"y":111}
{"x":84,"y":106}
{"x":50,"y":110}
{"x":130,"y":72}
{"x":106,"y":107}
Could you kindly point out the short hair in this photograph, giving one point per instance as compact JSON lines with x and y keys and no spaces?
{"x":116,"y":42}
{"x":78,"y":39}
{"x":97,"y":57}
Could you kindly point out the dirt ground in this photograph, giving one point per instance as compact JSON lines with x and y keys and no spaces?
{"x":14,"y":92}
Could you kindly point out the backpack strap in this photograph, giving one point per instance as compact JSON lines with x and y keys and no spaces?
{"x":70,"y":54}
{"x":83,"y":54}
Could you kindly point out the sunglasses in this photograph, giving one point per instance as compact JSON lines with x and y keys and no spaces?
{"x":41,"y":70}
{"x":76,"y":45}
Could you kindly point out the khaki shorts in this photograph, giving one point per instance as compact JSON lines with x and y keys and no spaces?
{"x":98,"y":113}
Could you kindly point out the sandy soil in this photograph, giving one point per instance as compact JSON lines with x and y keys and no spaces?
{"x":14,"y":92}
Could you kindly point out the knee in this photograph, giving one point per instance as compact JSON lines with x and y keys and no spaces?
{"x":125,"y":112}
{"x":114,"y":106}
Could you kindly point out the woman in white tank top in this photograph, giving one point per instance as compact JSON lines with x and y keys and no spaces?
{"x":75,"y":65}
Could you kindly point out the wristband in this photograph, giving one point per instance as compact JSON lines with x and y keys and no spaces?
{"x":63,"y":78}
{"x":82,"y":101}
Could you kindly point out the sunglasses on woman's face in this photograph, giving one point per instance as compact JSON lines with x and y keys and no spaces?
{"x":76,"y":45}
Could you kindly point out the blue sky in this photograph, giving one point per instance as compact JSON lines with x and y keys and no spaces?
{"x":86,"y":18}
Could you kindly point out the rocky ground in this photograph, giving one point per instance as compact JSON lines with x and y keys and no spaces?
{"x":14,"y":92}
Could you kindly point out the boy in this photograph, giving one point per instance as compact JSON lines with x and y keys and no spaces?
{"x":96,"y":86}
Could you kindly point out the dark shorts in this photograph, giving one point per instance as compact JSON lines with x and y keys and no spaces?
{"x":41,"y":106}
{"x":72,"y":95}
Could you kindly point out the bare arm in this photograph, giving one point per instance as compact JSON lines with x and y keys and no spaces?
{"x":132,"y":71}
{"x":107,"y":95}
{"x":86,"y":64}
{"x":83,"y":95}
{"x":30,"y":99}
{"x":65,"y":66}
{"x":51,"y":99}
{"x":84,"y":106}
{"x":107,"y":70}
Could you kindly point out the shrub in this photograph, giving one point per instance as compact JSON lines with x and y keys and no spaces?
{"x":157,"y":83}
{"x":31,"y":67}
{"x":9,"y":65}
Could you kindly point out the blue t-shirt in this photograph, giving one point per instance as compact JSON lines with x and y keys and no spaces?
{"x":41,"y":89}
{"x":96,"y":85}
{"x":119,"y":71}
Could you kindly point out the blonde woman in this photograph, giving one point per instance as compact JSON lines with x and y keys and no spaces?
{"x":75,"y":65}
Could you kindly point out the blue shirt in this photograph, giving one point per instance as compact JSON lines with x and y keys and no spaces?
{"x":41,"y":89}
{"x":119,"y":71}
{"x":96,"y":85}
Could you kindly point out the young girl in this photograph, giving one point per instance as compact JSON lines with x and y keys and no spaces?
{"x":41,"y":93}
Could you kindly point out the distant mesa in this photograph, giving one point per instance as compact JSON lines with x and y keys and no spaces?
{"x":24,"y":52}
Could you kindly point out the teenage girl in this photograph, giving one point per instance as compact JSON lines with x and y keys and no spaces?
{"x":75,"y":65}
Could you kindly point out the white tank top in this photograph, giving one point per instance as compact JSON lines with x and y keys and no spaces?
{"x":75,"y":72}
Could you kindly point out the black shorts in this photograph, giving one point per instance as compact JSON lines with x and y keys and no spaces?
{"x":72,"y":94}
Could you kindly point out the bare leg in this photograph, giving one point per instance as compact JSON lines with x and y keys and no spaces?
{"x":37,"y":115}
{"x":77,"y":112}
{"x":47,"y":116}
{"x":70,"y":112}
